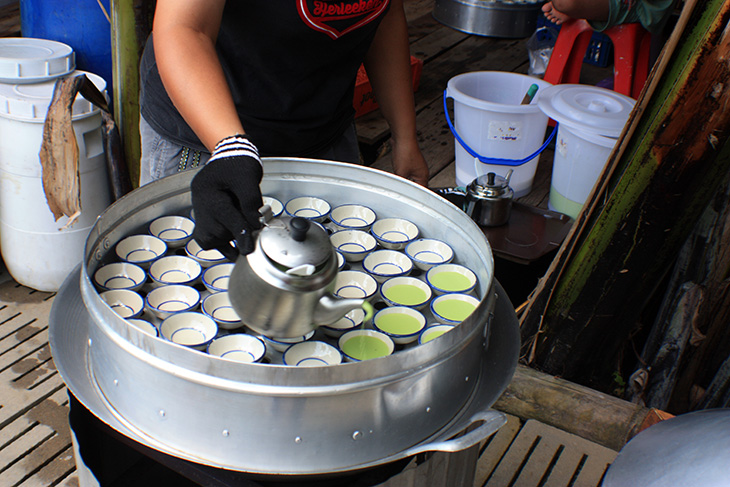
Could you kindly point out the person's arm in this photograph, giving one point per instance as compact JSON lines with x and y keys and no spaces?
{"x":388,"y":67}
{"x":184,"y":35}
{"x":225,"y":193}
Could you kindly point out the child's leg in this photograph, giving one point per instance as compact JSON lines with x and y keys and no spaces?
{"x":580,"y":9}
{"x":553,"y":15}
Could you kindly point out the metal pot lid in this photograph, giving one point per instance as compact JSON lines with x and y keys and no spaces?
{"x":691,"y":449}
{"x":588,"y":108}
{"x":30,"y":60}
{"x":295,"y":243}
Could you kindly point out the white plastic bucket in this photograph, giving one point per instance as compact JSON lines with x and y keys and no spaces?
{"x":590,"y":119}
{"x":578,"y":161}
{"x":490,"y":120}
{"x":38,"y":251}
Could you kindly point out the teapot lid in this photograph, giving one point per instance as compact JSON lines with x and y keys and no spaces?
{"x":491,"y":185}
{"x":295,"y":242}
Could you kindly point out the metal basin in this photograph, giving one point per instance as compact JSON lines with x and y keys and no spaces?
{"x":492,"y":18}
{"x":265,"y":418}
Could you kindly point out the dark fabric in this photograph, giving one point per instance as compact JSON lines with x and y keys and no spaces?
{"x":226,"y":200}
{"x":291,"y":66}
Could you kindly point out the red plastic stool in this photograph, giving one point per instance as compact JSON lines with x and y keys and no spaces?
{"x":631,"y":47}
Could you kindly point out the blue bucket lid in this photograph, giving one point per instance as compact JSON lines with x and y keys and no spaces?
{"x":31,"y":60}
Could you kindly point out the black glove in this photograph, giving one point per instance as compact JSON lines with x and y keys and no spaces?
{"x":226,"y":197}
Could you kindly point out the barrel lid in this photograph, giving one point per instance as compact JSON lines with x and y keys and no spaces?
{"x":31,"y":60}
{"x":586,"y":108}
{"x":30,"y":102}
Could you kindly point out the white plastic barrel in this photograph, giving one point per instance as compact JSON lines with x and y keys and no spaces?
{"x":590,"y":120}
{"x":37,"y":250}
{"x":490,"y":119}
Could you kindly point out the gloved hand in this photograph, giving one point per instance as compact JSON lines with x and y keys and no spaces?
{"x":226,"y":197}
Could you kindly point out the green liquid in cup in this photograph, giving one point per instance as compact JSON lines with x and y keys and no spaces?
{"x":450,"y":281}
{"x":431,"y":335}
{"x":406,"y":294}
{"x":454,"y":309}
{"x":364,"y":347}
{"x":398,"y":324}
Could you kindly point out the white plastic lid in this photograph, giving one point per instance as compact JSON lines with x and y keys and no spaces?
{"x":30,"y":102}
{"x":586,"y":108}
{"x":30,"y":60}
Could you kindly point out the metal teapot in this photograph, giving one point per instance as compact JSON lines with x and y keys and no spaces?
{"x":283,"y":288}
{"x":488,"y":199}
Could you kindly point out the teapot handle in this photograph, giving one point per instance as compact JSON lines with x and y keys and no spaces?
{"x":266,"y":214}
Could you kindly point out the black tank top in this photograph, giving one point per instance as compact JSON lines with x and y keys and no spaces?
{"x":291,"y":66}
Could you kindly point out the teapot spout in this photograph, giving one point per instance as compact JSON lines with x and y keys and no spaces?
{"x":331,"y":308}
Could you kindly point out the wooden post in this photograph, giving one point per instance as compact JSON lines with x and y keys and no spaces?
{"x":131,"y":25}
{"x":668,"y":164}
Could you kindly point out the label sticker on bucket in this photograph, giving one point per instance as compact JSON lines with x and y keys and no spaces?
{"x":504,"y":130}
{"x":562,"y":146}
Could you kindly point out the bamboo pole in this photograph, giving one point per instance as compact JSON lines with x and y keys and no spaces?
{"x":597,"y":417}
{"x":131,"y":25}
{"x":671,"y":158}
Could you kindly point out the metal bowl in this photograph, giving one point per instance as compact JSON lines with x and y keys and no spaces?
{"x":289,"y":420}
{"x":493,"y":18}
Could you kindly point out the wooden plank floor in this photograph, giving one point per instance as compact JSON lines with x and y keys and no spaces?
{"x":35,"y":443}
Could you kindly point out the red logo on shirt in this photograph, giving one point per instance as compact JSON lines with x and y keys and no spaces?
{"x":338,"y":18}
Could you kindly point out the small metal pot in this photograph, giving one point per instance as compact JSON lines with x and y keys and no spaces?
{"x":488,"y":199}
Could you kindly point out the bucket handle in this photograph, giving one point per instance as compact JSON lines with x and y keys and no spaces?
{"x":495,"y":160}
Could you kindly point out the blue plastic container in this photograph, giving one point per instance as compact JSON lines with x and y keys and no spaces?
{"x":82,"y":24}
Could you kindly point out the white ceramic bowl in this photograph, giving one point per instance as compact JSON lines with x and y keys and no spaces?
{"x":351,"y":321}
{"x":124,"y":302}
{"x":432,"y":332}
{"x":164,"y":301}
{"x":451,"y":278}
{"x":401,"y":323}
{"x":354,"y":245}
{"x":276,"y":206}
{"x":405,"y":291}
{"x":428,"y":252}
{"x":309,"y":207}
{"x":394,"y":233}
{"x":359,"y":345}
{"x":352,"y":217}
{"x":144,"y":325}
{"x":140,"y":249}
{"x":282,"y":344}
{"x":120,"y":275}
{"x":355,"y":284}
{"x":340,"y":260}
{"x":215,"y":278}
{"x":205,"y":258}
{"x":190,"y":328}
{"x":312,"y":354}
{"x":385,"y":264}
{"x":239,"y":347}
{"x":218,"y":306}
{"x":175,"y":269}
{"x":453,"y":308}
{"x":174,"y":230}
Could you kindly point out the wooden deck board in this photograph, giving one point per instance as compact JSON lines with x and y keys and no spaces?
{"x":542,"y":455}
